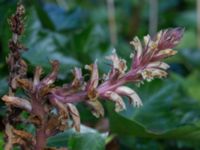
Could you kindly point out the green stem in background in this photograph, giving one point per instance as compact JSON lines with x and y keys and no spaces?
{"x":198,"y":24}
{"x":153,"y":16}
{"x":112,"y":22}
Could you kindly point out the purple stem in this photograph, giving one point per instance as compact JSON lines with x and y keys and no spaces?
{"x":80,"y":96}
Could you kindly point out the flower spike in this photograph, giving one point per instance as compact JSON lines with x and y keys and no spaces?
{"x":50,"y":106}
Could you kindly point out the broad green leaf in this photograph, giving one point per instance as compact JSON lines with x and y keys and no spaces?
{"x":87,"y":141}
{"x":166,"y":106}
{"x":45,"y":46}
{"x":60,"y":140}
{"x":79,"y":141}
{"x":129,"y":127}
{"x":66,"y":20}
{"x":166,"y":114}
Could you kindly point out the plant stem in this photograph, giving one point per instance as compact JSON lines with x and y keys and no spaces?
{"x":38,"y":110}
{"x":40,"y":138}
{"x":153,"y":17}
{"x":83,"y":96}
{"x":198,"y":24}
{"x":112,"y":22}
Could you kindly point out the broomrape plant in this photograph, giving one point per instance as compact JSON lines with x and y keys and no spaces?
{"x":42,"y":96}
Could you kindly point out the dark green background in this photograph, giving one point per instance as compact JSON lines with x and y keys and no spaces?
{"x":77,"y":32}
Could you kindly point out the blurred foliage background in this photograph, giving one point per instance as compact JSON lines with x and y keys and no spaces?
{"x":77,"y":32}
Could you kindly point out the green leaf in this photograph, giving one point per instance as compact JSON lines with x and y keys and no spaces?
{"x":65,"y":20}
{"x":133,"y":128}
{"x":168,"y":113}
{"x":44,"y":46}
{"x":43,"y":16}
{"x":87,"y":141}
{"x":1,"y":140}
{"x":60,"y":140}
{"x":79,"y":141}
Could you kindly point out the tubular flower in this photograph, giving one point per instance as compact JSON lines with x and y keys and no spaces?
{"x":118,"y":67}
{"x":93,"y":82}
{"x":149,"y":56}
{"x":17,"y":102}
{"x":118,"y":63}
{"x":131,"y":94}
{"x":78,"y":78}
{"x":119,"y":103}
{"x":146,"y":65}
